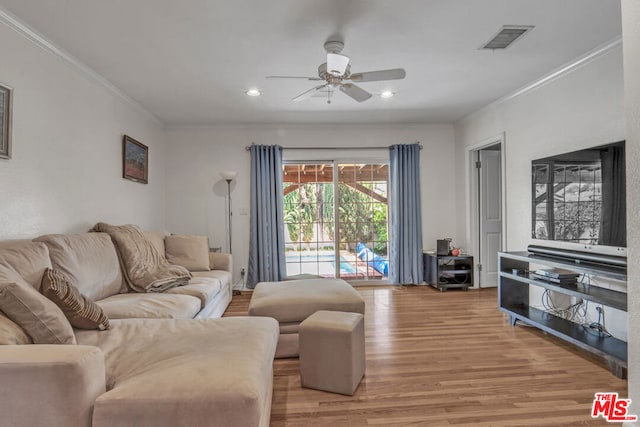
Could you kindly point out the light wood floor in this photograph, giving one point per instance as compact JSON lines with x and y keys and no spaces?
{"x":448,"y":359}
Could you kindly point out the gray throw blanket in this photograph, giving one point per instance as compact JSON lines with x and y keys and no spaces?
{"x":145,"y":270}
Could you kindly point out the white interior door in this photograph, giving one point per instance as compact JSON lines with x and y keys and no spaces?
{"x":490,"y":211}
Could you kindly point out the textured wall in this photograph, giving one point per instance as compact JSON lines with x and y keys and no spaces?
{"x":580,"y":109}
{"x":66,"y":170}
{"x":631,"y":40}
{"x":196,"y":192}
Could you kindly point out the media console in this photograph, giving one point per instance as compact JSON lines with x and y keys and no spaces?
{"x":513,"y":299}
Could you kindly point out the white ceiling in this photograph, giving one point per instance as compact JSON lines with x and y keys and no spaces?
{"x":189,"y":62}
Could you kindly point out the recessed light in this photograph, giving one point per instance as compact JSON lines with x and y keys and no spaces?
{"x":253,"y":92}
{"x":387,"y":94}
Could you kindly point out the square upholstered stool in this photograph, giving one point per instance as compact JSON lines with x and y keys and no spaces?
{"x":332,"y":354}
{"x":291,"y":302}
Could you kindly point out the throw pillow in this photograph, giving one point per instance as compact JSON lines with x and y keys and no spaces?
{"x":191,"y":252}
{"x":80,"y":311}
{"x":40,"y":318}
{"x":11,"y":333}
{"x":157,"y":240}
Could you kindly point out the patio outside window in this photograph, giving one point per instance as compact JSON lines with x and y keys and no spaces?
{"x":331,"y":202}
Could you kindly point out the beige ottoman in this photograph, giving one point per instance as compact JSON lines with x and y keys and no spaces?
{"x":332,"y":354}
{"x":291,"y":302}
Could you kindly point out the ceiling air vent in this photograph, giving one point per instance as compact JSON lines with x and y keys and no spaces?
{"x":506,"y":36}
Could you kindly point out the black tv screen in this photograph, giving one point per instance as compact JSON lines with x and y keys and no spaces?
{"x":580,"y":197}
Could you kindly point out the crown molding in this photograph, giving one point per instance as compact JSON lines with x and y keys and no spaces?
{"x":564,"y":70}
{"x":47,"y":45}
{"x":284,"y":126}
{"x":560,"y":72}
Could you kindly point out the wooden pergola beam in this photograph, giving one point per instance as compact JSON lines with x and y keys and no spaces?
{"x":358,"y":187}
{"x":369,"y":192}
{"x":291,"y":188}
{"x":295,"y":177}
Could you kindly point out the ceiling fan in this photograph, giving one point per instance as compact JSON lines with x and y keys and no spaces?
{"x":336,"y":73}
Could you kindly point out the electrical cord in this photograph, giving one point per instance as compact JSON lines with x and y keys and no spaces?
{"x":578,"y":312}
{"x":598,"y":326}
{"x":568,"y":313}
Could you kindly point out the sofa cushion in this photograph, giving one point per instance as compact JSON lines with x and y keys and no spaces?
{"x":41,"y":319}
{"x":223,"y":276}
{"x":150,"y":306}
{"x":89,"y":260}
{"x":295,"y":300}
{"x":26,"y":258}
{"x":157,"y":240}
{"x":191,"y":252}
{"x":215,"y":372}
{"x":11,"y":333}
{"x":203,"y":288}
{"x":80,"y":311}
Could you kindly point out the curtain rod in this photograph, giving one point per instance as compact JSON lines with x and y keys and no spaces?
{"x":248,"y":147}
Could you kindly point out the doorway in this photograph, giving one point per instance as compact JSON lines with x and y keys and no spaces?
{"x":336,"y":219}
{"x":487,"y":194}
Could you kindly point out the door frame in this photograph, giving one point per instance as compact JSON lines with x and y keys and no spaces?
{"x":472,"y":193}
{"x":335,"y":162}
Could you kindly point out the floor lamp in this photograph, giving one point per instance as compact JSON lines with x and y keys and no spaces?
{"x":229,"y":176}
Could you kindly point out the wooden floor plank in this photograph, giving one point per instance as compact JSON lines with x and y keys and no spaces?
{"x":447,"y":359}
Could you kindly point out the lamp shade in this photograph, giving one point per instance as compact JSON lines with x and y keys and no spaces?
{"x":228,"y":175}
{"x":337,"y":64}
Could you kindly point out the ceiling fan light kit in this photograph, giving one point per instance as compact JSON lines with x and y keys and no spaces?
{"x":336,"y":73}
{"x":387,"y":94}
{"x":337,"y":64}
{"x":253,"y":92}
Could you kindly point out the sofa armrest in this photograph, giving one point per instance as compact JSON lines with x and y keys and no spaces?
{"x":50,"y":385}
{"x":221,"y":261}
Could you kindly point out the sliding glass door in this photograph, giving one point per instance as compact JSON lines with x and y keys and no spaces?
{"x":336,"y":219}
{"x":309,"y":219}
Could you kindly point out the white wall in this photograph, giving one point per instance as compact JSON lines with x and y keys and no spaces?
{"x":580,"y":109}
{"x":196,"y":192}
{"x":631,"y":40}
{"x":66,"y":170}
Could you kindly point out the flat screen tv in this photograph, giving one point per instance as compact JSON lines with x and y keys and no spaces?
{"x":580,"y":197}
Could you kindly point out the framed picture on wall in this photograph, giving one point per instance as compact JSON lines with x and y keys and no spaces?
{"x":135,"y":160}
{"x":6,"y":95}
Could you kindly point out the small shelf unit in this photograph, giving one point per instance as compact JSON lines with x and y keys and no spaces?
{"x":448,"y":271}
{"x":513,"y":299}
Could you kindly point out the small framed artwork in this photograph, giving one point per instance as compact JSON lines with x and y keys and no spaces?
{"x":135,"y":160}
{"x":6,"y":99}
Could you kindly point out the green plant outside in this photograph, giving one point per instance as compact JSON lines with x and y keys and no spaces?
{"x":361,"y":217}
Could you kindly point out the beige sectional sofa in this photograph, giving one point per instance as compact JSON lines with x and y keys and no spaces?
{"x":166,"y":360}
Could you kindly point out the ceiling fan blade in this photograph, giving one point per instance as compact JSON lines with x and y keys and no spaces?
{"x":294,"y":77}
{"x":355,"y":92}
{"x":376,"y":76}
{"x":307,"y":94}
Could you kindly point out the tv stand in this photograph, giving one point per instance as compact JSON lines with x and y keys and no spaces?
{"x":513,"y":299}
